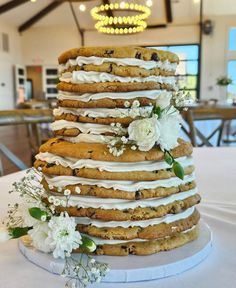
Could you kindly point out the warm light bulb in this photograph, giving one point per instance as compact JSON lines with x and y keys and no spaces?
{"x":33,"y":1}
{"x":149,"y":3}
{"x":122,"y":5}
{"x":82,"y":7}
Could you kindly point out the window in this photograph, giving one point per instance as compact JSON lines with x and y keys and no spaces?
{"x":232,"y":74}
{"x":231,"y":65}
{"x":232,"y":39}
{"x":187,"y":71}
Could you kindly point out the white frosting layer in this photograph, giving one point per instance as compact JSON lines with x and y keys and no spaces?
{"x":97,"y":77}
{"x":86,"y":128}
{"x":150,"y":94}
{"x":89,"y":138}
{"x":129,"y":186}
{"x":106,"y":203}
{"x":169,"y":218}
{"x":100,"y":241}
{"x":81,"y":60}
{"x":105,"y":112}
{"x":74,"y":163}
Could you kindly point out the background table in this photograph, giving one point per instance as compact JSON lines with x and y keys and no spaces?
{"x":216,"y":176}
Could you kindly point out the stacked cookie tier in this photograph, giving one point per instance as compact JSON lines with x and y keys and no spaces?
{"x":129,"y":201}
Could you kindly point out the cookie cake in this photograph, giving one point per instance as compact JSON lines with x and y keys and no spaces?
{"x":116,"y":154}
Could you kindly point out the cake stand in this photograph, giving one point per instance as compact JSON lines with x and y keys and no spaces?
{"x":137,"y":268}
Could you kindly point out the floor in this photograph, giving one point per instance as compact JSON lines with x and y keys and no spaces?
{"x":15,"y":138}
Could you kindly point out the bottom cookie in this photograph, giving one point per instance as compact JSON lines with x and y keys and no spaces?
{"x":147,"y":247}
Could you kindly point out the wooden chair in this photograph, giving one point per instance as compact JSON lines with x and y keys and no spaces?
{"x":224,"y":114}
{"x":32,"y":118}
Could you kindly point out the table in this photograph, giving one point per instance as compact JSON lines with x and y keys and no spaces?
{"x":215,"y":170}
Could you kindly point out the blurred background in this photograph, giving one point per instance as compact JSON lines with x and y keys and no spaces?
{"x":33,"y":34}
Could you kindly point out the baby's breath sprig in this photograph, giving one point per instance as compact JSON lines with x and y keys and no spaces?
{"x":176,"y":166}
{"x":83,"y":271}
{"x":182,"y":99}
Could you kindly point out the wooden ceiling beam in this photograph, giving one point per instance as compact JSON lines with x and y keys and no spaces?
{"x":158,"y":26}
{"x":108,"y":12}
{"x":11,"y":5}
{"x":81,"y":32}
{"x":169,"y":16}
{"x":39,"y":15}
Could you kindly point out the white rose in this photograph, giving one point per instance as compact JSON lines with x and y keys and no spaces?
{"x":4,"y":235}
{"x":39,"y":234}
{"x":144,"y":132}
{"x":163,"y":101}
{"x":169,"y":129}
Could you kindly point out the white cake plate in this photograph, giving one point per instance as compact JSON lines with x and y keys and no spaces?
{"x":137,"y":268}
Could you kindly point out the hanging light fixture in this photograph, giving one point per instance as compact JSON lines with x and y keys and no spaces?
{"x":122,"y":24}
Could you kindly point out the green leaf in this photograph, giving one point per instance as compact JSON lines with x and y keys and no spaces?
{"x":37,"y":213}
{"x":168,"y":158}
{"x":157,"y":111}
{"x":17,"y":232}
{"x":178,"y":170}
{"x":87,"y":244}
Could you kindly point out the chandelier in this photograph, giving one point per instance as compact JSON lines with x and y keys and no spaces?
{"x":122,"y":24}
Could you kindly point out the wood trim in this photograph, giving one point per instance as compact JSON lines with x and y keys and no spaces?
{"x":81,"y":32}
{"x":39,"y":15}
{"x":11,"y":5}
{"x":108,"y":12}
{"x":157,"y":26}
{"x":169,"y":16}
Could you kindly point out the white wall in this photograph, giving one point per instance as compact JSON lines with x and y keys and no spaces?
{"x":215,"y":55}
{"x":42,"y":45}
{"x":7,"y":62}
{"x":171,"y":35}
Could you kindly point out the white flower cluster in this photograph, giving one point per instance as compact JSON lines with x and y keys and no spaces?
{"x":58,"y":236}
{"x":182,"y":99}
{"x":162,"y":130}
{"x":136,"y":111}
{"x":51,"y":232}
{"x":118,"y":129}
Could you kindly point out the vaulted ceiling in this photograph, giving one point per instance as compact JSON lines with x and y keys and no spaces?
{"x":25,"y":14}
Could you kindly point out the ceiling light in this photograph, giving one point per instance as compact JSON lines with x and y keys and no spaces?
{"x":33,"y":1}
{"x":149,"y":3}
{"x":196,"y":1}
{"x":82,"y":7}
{"x":121,"y":24}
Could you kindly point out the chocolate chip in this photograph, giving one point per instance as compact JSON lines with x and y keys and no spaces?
{"x":110,"y":68}
{"x":126,"y":211}
{"x":74,"y":172}
{"x":138,"y":55}
{"x":138,"y":195}
{"x":154,"y":57}
{"x":82,"y":67}
{"x":123,"y":247}
{"x":50,"y":165}
{"x":109,"y":53}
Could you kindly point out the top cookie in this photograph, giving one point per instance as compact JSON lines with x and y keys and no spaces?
{"x":145,"y":54}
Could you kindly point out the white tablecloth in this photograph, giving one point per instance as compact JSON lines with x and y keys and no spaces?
{"x":216,"y":175}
